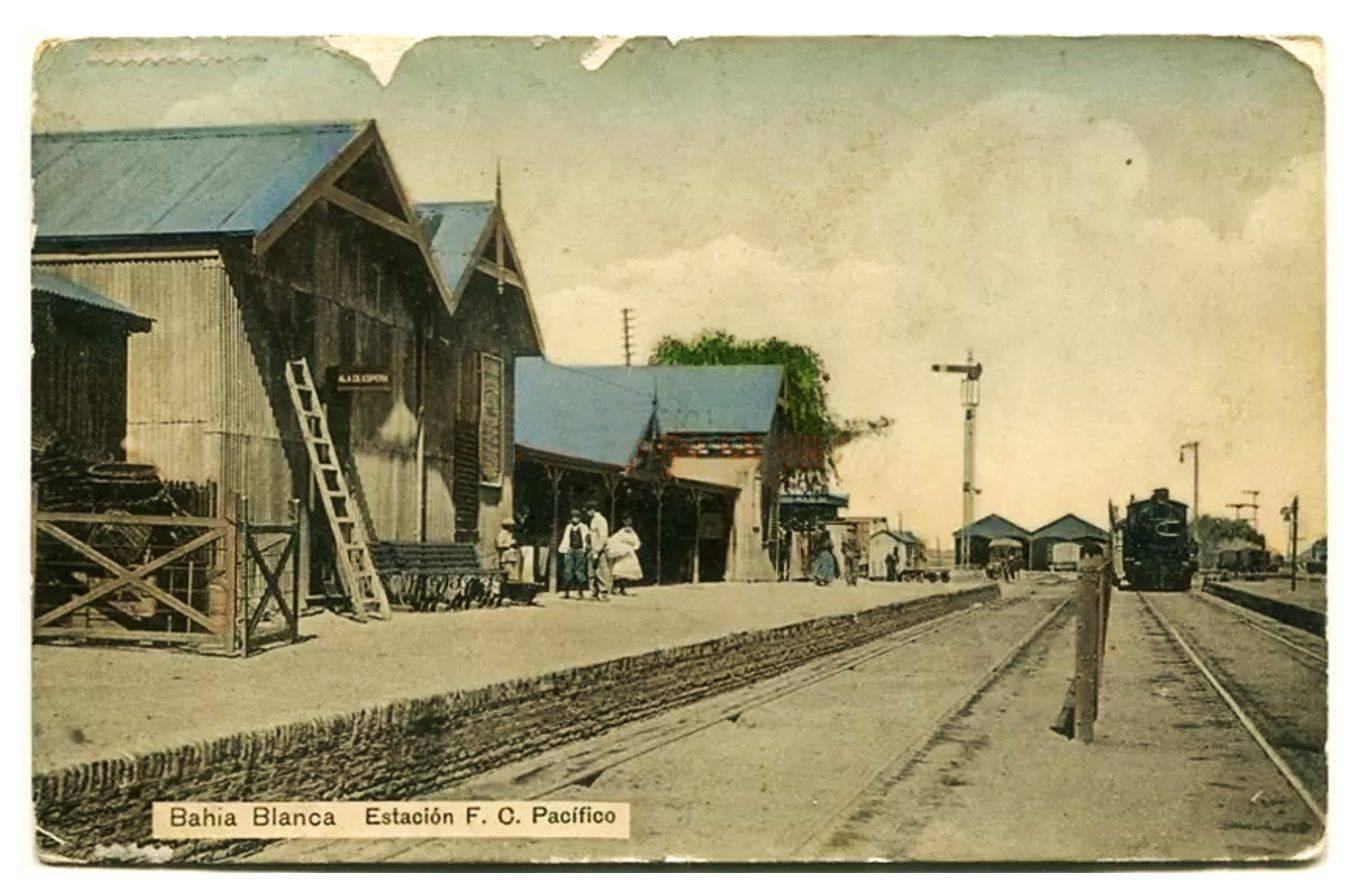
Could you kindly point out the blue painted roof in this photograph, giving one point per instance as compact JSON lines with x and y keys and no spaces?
{"x":1070,"y":527}
{"x":995,"y":527}
{"x":64,"y":288}
{"x":575,"y":414}
{"x":183,"y":181}
{"x":703,"y":399}
{"x":599,"y":413}
{"x":454,"y":230}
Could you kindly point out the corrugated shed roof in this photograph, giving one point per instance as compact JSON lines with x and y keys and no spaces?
{"x":454,"y":230}
{"x":599,"y":413}
{"x":903,"y":536}
{"x":1070,"y":527}
{"x":63,"y":288}
{"x":703,"y":399}
{"x":995,"y":526}
{"x":176,"y":182}
{"x":571,"y":413}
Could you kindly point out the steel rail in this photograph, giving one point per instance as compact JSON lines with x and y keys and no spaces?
{"x":1249,"y":726}
{"x":924,"y":742}
{"x":842,"y":663}
{"x":1252,"y":618}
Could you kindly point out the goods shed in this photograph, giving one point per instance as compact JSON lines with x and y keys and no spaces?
{"x":1049,"y":544}
{"x":973,"y":547}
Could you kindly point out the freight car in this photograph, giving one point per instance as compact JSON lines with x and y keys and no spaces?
{"x":1158,"y":552}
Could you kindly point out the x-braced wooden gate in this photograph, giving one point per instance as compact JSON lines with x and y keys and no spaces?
{"x":220,"y":584}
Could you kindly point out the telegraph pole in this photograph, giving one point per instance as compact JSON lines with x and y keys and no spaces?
{"x":1195,"y":447}
{"x":1253,"y":505}
{"x":1291,"y":514}
{"x":969,"y":399}
{"x":628,"y":315}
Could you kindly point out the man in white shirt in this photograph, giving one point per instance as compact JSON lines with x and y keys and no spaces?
{"x":601,"y":581}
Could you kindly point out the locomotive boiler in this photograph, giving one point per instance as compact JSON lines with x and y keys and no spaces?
{"x":1158,"y":552}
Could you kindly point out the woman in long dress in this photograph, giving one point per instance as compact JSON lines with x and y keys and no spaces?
{"x":622,"y":551}
{"x":824,"y":562}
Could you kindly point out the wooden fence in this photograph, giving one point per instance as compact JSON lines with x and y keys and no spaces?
{"x":220,"y":584}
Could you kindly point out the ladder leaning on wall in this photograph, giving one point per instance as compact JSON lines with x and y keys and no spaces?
{"x":354,"y":561}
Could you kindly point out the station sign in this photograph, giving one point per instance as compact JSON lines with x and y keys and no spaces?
{"x":363,"y":380}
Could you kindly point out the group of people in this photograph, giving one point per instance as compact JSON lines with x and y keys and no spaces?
{"x":825,"y":568}
{"x":596,"y":559}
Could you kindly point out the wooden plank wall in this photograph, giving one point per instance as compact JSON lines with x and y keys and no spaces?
{"x":80,"y":365}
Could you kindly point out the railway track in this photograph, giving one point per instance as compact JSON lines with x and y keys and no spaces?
{"x":1309,"y":647}
{"x":1222,"y":688}
{"x":552,"y":774}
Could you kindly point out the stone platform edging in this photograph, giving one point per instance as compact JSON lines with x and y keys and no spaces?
{"x":411,"y":748}
{"x":1302,"y":618}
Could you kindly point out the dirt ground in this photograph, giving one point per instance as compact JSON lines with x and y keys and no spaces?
{"x":1171,"y":776}
{"x":93,"y":702}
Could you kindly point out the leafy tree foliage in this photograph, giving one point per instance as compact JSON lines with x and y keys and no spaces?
{"x":1212,"y":531}
{"x":817,"y":432}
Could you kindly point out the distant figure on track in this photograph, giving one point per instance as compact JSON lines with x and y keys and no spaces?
{"x":622,"y":552}
{"x":574,"y":548}
{"x":891,"y":565}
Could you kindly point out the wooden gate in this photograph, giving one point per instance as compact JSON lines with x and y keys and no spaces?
{"x":135,"y":578}
{"x":273,"y":578}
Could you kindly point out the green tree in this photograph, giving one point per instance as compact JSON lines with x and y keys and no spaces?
{"x":817,"y":433}
{"x":1212,"y":531}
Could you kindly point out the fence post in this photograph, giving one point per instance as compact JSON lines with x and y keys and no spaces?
{"x":231,"y":582}
{"x":301,"y":559}
{"x":1087,"y":638}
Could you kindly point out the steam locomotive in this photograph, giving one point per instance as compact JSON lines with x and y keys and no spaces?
{"x":1158,"y":552}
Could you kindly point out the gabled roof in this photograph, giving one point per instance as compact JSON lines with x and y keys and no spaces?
{"x":456,"y":230}
{"x":217,"y":181}
{"x":1070,"y":527}
{"x":182,"y":185}
{"x":48,"y":284}
{"x":703,"y":399}
{"x":994,"y":527}
{"x":903,"y":536}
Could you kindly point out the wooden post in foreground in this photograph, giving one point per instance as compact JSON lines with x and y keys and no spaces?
{"x":1087,"y":642}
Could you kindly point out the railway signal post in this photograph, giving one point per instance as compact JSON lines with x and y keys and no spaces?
{"x":1195,"y":447}
{"x":969,"y":399}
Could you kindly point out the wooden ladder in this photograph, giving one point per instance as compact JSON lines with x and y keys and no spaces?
{"x":354,"y":561}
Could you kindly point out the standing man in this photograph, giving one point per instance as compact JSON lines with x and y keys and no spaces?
{"x":601,"y":578}
{"x":851,"y":558}
{"x":891,"y":565}
{"x":574,"y":548}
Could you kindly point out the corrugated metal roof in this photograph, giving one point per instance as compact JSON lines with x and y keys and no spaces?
{"x":571,"y":413}
{"x":1070,"y":527}
{"x":703,"y":399}
{"x":453,"y":230}
{"x":994,"y":526}
{"x":176,"y":182}
{"x":63,"y":288}
{"x":599,"y":413}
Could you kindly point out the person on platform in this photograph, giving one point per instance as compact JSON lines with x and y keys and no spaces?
{"x":891,"y":565}
{"x":622,"y":552}
{"x":824,"y":568}
{"x":575,"y":549}
{"x":508,"y":552}
{"x":600,"y":565}
{"x":851,"y":560}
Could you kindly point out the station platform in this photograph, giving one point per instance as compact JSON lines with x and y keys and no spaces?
{"x":1308,"y":594}
{"x":93,"y":703}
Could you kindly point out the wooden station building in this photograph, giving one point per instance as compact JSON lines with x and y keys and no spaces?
{"x":687,"y":452}
{"x":252,"y":246}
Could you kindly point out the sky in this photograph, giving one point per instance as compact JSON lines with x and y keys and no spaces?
{"x":1127,"y":232}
